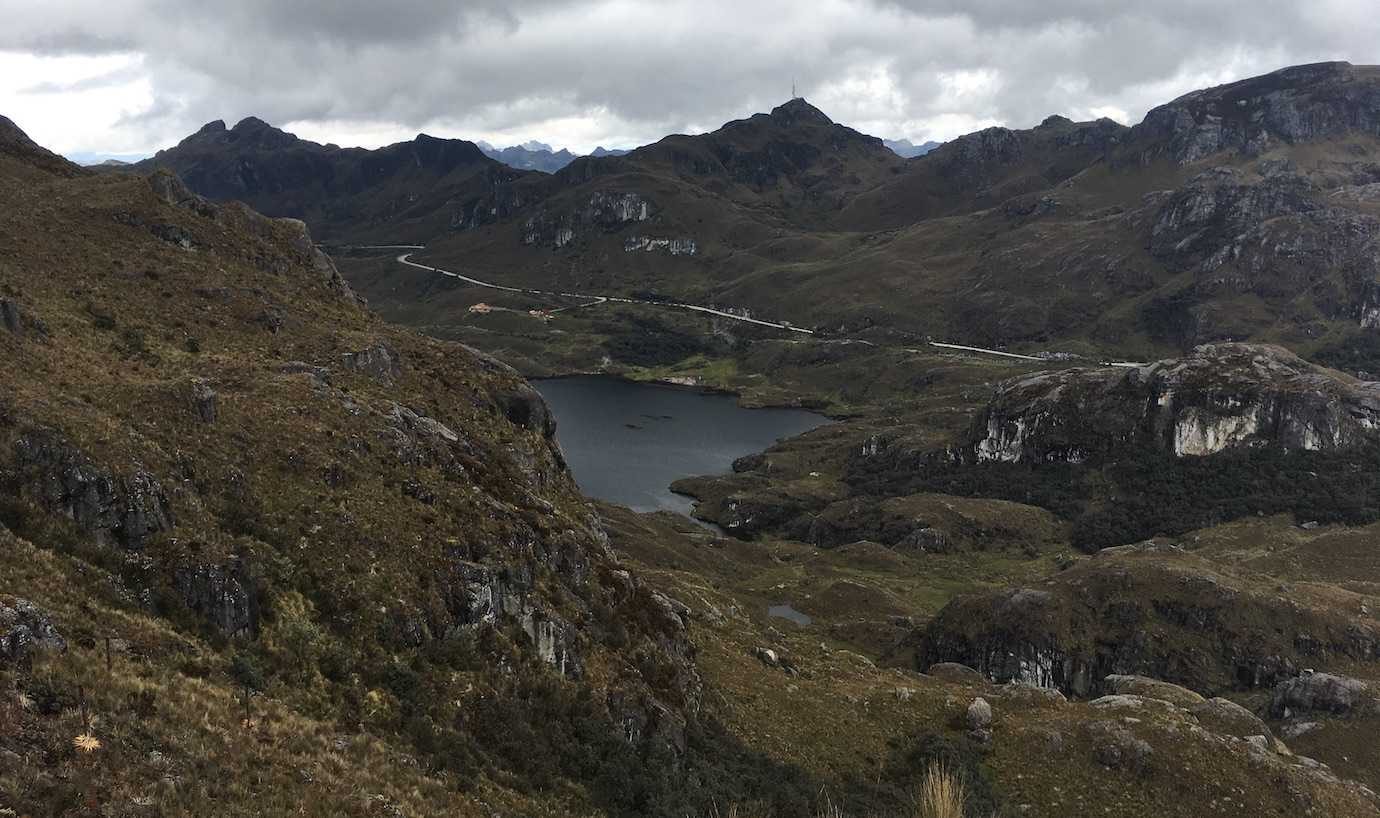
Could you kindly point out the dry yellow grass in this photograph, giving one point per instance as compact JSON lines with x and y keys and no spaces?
{"x":941,"y":794}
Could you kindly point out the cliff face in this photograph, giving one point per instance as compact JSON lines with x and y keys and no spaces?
{"x":1220,"y":396}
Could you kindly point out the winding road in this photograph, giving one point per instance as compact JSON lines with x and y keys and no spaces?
{"x":405,"y":258}
{"x":594,"y":300}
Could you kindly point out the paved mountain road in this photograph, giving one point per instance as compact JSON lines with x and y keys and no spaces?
{"x":405,"y":258}
{"x":594,"y":300}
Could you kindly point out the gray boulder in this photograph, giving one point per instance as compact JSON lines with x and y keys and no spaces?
{"x":525,"y":407}
{"x":26,"y":629}
{"x":1318,"y":692}
{"x":955,"y":672}
{"x":979,"y":715}
{"x":1228,"y":718}
{"x":380,"y":362}
{"x":10,"y":317}
{"x":1153,"y":689}
{"x":1115,"y":746}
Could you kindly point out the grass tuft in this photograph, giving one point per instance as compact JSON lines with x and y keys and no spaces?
{"x":941,"y":793}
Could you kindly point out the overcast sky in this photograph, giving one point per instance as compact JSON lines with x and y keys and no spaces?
{"x":132,"y":76}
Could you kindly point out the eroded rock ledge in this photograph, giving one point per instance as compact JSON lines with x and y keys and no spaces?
{"x":1218,"y":397}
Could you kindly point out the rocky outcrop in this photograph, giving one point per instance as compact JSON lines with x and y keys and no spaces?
{"x":599,"y":211}
{"x":1114,"y":745}
{"x":525,"y":407}
{"x":1228,"y":718}
{"x":380,"y":362}
{"x":1322,"y":693}
{"x":1153,"y":689}
{"x":482,"y":595}
{"x":1297,"y":104}
{"x":1270,"y":234}
{"x":203,"y":400}
{"x":170,"y":189}
{"x":421,"y":441}
{"x":223,"y":595}
{"x":10,"y":316}
{"x":26,"y":629}
{"x":648,"y":244}
{"x":119,"y":509}
{"x":955,"y":672}
{"x":1147,"y":614}
{"x":1220,"y":396}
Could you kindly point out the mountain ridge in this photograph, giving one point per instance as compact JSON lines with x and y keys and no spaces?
{"x":788,"y":213}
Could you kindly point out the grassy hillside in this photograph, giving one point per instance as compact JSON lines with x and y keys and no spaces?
{"x":256,"y":487}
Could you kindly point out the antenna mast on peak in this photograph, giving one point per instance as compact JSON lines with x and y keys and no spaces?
{"x":794,"y":95}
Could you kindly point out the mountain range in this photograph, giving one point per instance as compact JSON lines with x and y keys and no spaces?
{"x":1197,"y":224}
{"x":538,"y":155}
{"x":266,"y":553}
{"x":906,"y":149}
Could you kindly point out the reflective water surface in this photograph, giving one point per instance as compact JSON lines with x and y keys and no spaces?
{"x":627,"y":442}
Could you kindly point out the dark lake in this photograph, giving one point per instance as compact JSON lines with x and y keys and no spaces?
{"x":627,"y":442}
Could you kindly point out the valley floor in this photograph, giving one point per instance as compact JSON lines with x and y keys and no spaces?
{"x":842,"y":697}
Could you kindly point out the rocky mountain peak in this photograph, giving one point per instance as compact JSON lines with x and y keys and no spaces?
{"x":213,"y":127}
{"x":798,"y":111}
{"x":251,"y":124}
{"x":254,"y":131}
{"x":1297,"y":104}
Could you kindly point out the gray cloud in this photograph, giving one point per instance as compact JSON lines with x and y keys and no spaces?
{"x":614,"y":71}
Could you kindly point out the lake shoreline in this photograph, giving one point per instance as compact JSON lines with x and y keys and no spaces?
{"x":803,"y":404}
{"x":628,"y":441}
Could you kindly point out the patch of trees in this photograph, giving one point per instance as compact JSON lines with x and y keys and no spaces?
{"x":1147,"y":494}
{"x":645,"y":341}
{"x":1356,"y":353}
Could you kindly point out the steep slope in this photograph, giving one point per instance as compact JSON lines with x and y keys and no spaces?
{"x":1152,"y":245}
{"x":23,"y":157}
{"x":206,"y":437}
{"x":409,"y":191}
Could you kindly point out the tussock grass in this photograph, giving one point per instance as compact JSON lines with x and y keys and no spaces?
{"x":941,"y":794}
